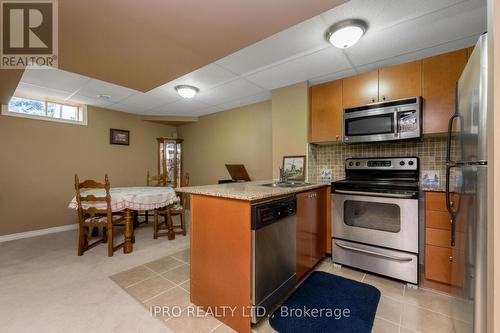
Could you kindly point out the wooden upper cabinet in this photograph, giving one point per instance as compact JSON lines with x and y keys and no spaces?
{"x":360,"y":89}
{"x":326,"y":112}
{"x":440,"y":75}
{"x":400,"y":81}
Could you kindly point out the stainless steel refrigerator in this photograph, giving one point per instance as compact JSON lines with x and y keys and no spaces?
{"x":467,"y":182}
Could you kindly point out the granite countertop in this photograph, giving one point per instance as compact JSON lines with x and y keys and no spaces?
{"x":248,"y":191}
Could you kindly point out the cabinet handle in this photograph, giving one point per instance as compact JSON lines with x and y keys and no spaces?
{"x":373,"y":100}
{"x":337,"y":137}
{"x":451,"y":259}
{"x":451,"y":203}
{"x":383,"y":98}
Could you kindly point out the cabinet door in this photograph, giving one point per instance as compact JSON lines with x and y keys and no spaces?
{"x":400,"y":81}
{"x":326,"y":112}
{"x":440,"y":75}
{"x":306,"y":210}
{"x":311,"y":218}
{"x":438,"y":263}
{"x":319,"y":227}
{"x":360,"y":89}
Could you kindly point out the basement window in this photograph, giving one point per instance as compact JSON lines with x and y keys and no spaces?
{"x":34,"y":108}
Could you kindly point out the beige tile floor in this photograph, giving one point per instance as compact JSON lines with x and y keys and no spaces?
{"x":165,"y":282}
{"x":45,"y":287}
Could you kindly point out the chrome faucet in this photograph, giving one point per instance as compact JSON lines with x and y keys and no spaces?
{"x":283,"y":176}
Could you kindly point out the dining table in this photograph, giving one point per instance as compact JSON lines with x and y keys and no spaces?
{"x":129,"y":199}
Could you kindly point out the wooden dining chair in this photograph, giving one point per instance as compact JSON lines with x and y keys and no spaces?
{"x":90,"y":216}
{"x":178,"y":209}
{"x":158,"y":180}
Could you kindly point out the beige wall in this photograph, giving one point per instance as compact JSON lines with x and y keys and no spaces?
{"x":39,"y":160}
{"x":290,"y":107}
{"x":237,"y":136}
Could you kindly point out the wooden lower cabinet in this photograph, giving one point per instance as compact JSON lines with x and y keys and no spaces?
{"x":444,"y":264}
{"x":311,"y":228}
{"x":438,"y":263}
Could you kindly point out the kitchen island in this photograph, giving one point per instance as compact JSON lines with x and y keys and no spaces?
{"x":221,"y":242}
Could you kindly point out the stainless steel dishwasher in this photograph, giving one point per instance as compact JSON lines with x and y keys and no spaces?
{"x":273,"y":253}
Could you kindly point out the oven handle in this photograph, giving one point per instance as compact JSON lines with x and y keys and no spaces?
{"x":377,"y":194}
{"x":388,"y":256}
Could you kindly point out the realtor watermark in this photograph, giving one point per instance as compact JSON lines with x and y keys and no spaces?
{"x":306,"y":312}
{"x":29,"y":33}
{"x":258,"y":311}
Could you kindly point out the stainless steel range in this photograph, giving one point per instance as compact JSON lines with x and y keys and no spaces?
{"x":375,"y":216}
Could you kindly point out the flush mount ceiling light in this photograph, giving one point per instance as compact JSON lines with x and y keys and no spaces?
{"x":186,"y":91}
{"x":346,"y":33}
{"x":103,"y":96}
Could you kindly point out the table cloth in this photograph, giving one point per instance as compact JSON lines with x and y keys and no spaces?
{"x":128,"y":199}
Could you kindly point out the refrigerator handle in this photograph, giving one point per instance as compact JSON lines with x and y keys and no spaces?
{"x":449,"y":206}
{"x":450,"y":128}
{"x":448,"y":140}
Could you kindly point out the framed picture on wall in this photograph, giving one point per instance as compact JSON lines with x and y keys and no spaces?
{"x":295,"y":167}
{"x":119,"y":137}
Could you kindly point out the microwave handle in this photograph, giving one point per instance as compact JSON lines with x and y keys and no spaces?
{"x":396,"y":125}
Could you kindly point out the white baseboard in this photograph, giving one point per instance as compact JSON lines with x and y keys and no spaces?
{"x":40,"y":232}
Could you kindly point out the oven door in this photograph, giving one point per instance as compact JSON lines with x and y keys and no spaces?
{"x":370,"y":126}
{"x":387,"y":221}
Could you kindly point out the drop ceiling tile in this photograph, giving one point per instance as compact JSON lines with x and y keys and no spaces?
{"x":332,"y":76}
{"x":209,"y":110}
{"x":420,"y":54}
{"x":300,"y":38}
{"x":381,"y":14}
{"x":99,"y":102}
{"x":328,"y":60}
{"x":246,"y":101}
{"x":180,"y":108}
{"x":166,"y":93}
{"x":54,"y":79}
{"x":127,"y":108}
{"x":204,"y":78}
{"x":419,"y":34}
{"x":142,"y":101}
{"x":228,"y":92}
{"x":41,"y":92}
{"x":96,"y":87}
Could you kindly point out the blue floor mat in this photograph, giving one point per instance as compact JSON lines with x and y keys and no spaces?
{"x":328,"y":303}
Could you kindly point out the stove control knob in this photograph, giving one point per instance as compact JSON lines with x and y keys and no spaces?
{"x":351,"y":164}
{"x":410,"y":163}
{"x":402,"y":163}
{"x":358,"y":164}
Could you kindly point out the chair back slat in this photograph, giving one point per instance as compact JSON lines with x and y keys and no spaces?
{"x":85,"y":202}
{"x":91,"y":184}
{"x":158,"y":180}
{"x":93,"y":198}
{"x":183,"y":196}
{"x":95,"y":211}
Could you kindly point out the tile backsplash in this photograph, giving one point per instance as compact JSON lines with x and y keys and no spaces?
{"x":430,"y":150}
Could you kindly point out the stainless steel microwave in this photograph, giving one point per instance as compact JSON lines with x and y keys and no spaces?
{"x":385,"y":121}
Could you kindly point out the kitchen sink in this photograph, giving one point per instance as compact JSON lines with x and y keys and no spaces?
{"x":288,"y":184}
